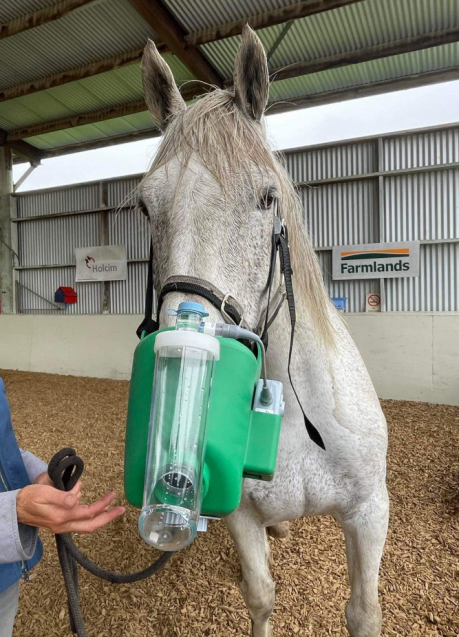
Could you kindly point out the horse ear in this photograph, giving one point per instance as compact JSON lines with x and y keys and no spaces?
{"x":251,"y":75}
{"x":159,"y":88}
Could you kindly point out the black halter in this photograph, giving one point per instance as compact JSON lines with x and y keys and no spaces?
{"x":224,"y":303}
{"x":230,"y":308}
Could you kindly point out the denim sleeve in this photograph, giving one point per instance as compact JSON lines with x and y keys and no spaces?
{"x":34,"y":466}
{"x":17,"y":541}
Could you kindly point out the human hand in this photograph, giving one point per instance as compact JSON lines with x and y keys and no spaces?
{"x":44,"y":506}
{"x":44,"y":478}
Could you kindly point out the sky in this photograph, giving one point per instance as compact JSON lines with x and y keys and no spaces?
{"x":401,"y":110}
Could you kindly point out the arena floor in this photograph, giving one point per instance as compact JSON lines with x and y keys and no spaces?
{"x":197,"y":594}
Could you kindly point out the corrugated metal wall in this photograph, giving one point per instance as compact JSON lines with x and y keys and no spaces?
{"x":70,"y":199}
{"x":392,"y":188}
{"x":51,"y":242}
{"x":424,"y":206}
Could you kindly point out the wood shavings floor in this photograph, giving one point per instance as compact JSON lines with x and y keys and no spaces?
{"x":197,"y":593}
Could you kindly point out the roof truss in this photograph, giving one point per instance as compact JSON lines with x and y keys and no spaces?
{"x":267,"y":19}
{"x":159,"y":18}
{"x":403,"y":83}
{"x":187,"y":48}
{"x":42,"y":16}
{"x":295,"y":70}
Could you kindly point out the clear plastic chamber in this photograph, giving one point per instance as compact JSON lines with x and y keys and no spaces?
{"x":173,"y":488}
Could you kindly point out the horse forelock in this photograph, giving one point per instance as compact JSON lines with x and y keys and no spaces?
{"x":232,"y":147}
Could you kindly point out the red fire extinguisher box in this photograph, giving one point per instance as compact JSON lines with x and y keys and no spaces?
{"x":65,"y":295}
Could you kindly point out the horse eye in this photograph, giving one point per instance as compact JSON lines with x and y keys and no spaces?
{"x":266,"y":200}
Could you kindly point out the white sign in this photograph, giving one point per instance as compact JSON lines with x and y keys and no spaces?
{"x":101,"y":263}
{"x":373,"y":303}
{"x":376,"y":260}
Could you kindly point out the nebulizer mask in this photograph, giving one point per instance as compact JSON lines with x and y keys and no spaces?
{"x":200,"y":421}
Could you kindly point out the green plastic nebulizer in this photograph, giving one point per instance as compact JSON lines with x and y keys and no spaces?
{"x":200,"y":420}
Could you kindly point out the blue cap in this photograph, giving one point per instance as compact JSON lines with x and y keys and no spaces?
{"x":189,"y":306}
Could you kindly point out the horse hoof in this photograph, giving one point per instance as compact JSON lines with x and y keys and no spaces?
{"x":280,"y":531}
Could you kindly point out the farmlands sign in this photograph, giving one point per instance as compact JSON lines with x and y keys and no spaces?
{"x":376,"y":260}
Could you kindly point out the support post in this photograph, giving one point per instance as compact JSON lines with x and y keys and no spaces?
{"x":104,"y":240}
{"x":381,"y":216}
{"x":6,"y":237}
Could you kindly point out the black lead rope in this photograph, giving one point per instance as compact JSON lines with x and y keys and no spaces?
{"x":65,"y":470}
{"x":148,"y":325}
{"x":286,"y":268}
{"x":271,"y":275}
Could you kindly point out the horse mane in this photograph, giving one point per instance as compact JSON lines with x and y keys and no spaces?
{"x":229,"y":143}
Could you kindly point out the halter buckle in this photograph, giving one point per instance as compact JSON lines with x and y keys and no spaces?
{"x":226,"y":316}
{"x":278,"y":225}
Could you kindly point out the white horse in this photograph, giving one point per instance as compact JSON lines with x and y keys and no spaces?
{"x":210,"y":198}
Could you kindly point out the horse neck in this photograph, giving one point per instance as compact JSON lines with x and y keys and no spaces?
{"x":305,"y":341}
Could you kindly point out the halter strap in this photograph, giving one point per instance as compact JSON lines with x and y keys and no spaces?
{"x":230,"y":308}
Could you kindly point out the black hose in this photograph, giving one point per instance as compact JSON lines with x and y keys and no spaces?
{"x":65,"y":470}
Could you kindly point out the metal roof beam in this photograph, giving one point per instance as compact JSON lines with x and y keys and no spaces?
{"x":376,"y":52}
{"x":415,"y":43}
{"x":156,"y":14}
{"x":23,"y":149}
{"x":77,"y":120}
{"x":267,"y":19}
{"x":151,"y":133}
{"x":26,"y":151}
{"x":61,"y":9}
{"x":421,"y":79}
{"x":366,"y":90}
{"x":93,"y":117}
{"x":42,"y":16}
{"x":161,"y":20}
{"x":126,"y":138}
{"x":379,"y":51}
{"x":72,"y":75}
{"x":77,"y":73}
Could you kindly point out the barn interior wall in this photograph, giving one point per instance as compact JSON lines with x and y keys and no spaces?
{"x":409,"y":356}
{"x":81,"y":345}
{"x":398,"y":187}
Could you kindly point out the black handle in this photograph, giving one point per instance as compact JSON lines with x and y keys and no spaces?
{"x":65,"y":469}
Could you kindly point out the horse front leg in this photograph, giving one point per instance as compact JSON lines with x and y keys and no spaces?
{"x":365,"y":530}
{"x":257,"y":585}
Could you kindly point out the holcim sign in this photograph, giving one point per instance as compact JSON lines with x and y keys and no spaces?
{"x":376,"y":260}
{"x":101,"y":263}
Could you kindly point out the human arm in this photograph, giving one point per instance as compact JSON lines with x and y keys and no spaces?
{"x":34,"y":466}
{"x":17,"y":541}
